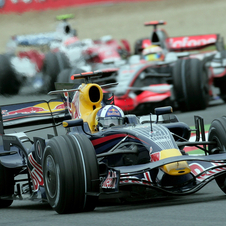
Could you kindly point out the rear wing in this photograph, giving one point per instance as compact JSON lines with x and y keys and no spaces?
{"x":33,"y":39}
{"x":67,"y":90}
{"x":31,"y":113}
{"x":194,"y":42}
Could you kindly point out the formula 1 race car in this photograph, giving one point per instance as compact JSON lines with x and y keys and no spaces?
{"x":209,"y":49}
{"x":36,"y":60}
{"x":144,"y":85}
{"x":30,"y":59}
{"x":104,"y":153}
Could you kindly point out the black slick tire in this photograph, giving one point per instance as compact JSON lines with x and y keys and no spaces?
{"x":70,"y":173}
{"x":217,"y":133}
{"x":190,"y":83}
{"x":9,"y":82}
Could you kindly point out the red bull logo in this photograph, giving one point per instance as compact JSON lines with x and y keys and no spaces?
{"x":59,"y":107}
{"x":27,"y":110}
{"x":39,"y":108}
{"x":113,"y":112}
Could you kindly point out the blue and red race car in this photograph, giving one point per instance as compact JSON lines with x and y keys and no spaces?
{"x":103,"y":153}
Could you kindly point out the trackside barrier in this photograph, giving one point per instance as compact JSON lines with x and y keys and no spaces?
{"x":21,"y":6}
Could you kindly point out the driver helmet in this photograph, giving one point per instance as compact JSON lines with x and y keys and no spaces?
{"x":153,"y":53}
{"x":110,"y":115}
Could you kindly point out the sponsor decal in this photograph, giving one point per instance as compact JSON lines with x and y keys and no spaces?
{"x":27,"y":110}
{"x":110,"y":181}
{"x":192,"y":41}
{"x":147,"y":176}
{"x":113,"y":112}
{"x":155,"y":157}
{"x":197,"y":169}
{"x":39,"y":108}
{"x":36,"y":173}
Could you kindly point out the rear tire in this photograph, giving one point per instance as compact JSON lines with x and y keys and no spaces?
{"x":217,"y":133}
{"x":53,"y":64}
{"x":70,"y":171}
{"x":9,"y":83}
{"x":190,"y":82}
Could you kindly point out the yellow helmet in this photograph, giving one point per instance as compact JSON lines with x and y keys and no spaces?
{"x":153,"y":53}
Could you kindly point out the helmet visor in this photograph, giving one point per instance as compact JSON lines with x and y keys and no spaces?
{"x":110,"y":121}
{"x":153,"y":57}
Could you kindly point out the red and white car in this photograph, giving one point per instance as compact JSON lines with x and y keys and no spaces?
{"x":50,"y":53}
{"x":185,"y":78}
{"x":195,"y":46}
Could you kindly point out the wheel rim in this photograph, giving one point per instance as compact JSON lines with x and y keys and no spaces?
{"x":219,"y":145}
{"x":51,"y":178}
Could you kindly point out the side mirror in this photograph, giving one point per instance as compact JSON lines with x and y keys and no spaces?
{"x":162,"y":111}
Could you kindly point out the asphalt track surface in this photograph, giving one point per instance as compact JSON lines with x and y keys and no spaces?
{"x":206,"y":207}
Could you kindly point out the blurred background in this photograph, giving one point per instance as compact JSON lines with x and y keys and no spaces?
{"x":121,"y":19}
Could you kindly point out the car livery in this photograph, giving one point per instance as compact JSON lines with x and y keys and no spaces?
{"x":74,"y":170}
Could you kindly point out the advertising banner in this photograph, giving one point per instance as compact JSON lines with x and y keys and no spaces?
{"x":21,"y":6}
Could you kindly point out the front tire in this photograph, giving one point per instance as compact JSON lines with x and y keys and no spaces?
{"x":70,"y":171}
{"x":217,"y":133}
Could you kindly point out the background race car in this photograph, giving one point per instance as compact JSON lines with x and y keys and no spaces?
{"x":36,"y":60}
{"x":208,"y":48}
{"x":180,"y":71}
